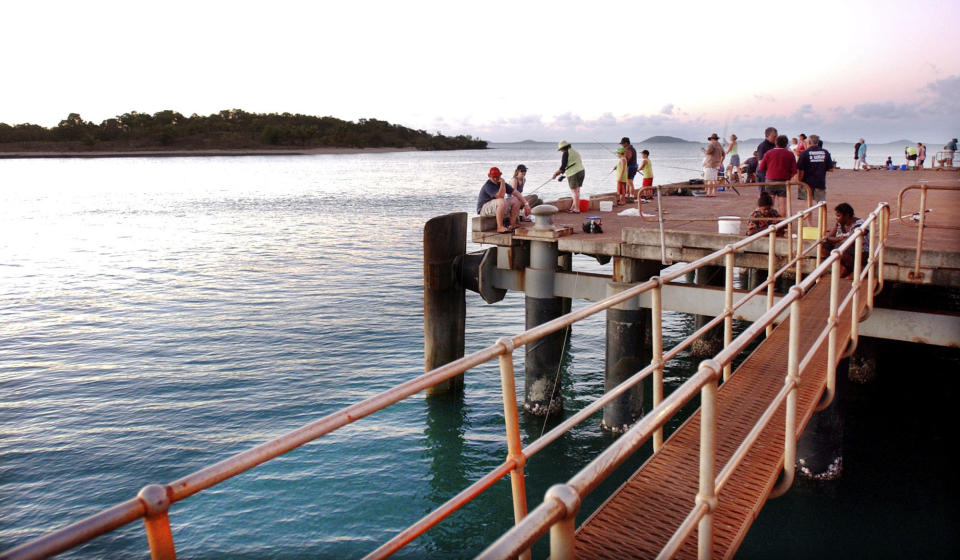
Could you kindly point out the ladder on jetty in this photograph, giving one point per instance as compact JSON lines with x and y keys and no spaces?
{"x":692,"y":509}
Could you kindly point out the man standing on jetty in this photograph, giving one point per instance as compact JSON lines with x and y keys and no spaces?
{"x":812,"y":167}
{"x":862,"y":155}
{"x":779,"y":165}
{"x":493,"y":201}
{"x":769,"y":143}
{"x":713,"y":157}
{"x":572,"y":166}
{"x":632,"y":167}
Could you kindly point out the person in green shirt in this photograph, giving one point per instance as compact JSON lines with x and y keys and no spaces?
{"x":572,"y":167}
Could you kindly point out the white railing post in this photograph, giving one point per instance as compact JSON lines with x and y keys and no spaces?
{"x":799,"y":252}
{"x":563,"y":544}
{"x":832,"y":322}
{"x":656,"y":296}
{"x":790,"y":414}
{"x":728,"y":308}
{"x":855,"y":307}
{"x":707,"y":495}
{"x":871,"y":261}
{"x":821,"y":230}
{"x":511,"y":420}
{"x":771,"y":272}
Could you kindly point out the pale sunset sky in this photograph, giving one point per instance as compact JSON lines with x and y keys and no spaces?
{"x":501,"y":71}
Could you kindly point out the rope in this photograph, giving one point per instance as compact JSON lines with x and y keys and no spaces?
{"x":556,"y":379}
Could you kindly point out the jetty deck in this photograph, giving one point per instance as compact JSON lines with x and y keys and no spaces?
{"x":691,"y":230}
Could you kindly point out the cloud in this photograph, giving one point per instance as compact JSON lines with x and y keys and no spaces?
{"x":667,"y":109}
{"x":886,"y":110}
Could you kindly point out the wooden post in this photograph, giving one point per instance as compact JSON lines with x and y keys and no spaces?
{"x":444,"y":303}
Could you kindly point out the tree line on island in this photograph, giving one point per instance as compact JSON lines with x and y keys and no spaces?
{"x":231,"y":129}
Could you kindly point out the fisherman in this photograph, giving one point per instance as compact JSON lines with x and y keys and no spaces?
{"x":769,"y":142}
{"x":846,"y":223}
{"x":572,"y":167}
{"x":778,"y":165}
{"x":632,"y":167}
{"x":493,"y":201}
{"x":712,"y":160}
{"x":812,"y":169}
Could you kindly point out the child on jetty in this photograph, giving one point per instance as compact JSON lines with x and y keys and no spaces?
{"x":646,"y":169}
{"x":621,"y":169}
{"x":764,"y":210}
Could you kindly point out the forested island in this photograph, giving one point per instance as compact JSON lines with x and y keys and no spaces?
{"x":228,"y":130}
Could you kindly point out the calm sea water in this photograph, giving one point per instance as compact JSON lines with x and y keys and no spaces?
{"x":159,"y":315}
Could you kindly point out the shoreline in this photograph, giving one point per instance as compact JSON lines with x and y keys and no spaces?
{"x":200,"y":153}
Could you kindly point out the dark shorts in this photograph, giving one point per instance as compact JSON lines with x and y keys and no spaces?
{"x":912,"y":157}
{"x":776,"y":190}
{"x":576,"y":180}
{"x":632,"y":171}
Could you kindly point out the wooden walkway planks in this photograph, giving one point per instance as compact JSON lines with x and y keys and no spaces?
{"x":640,"y":518}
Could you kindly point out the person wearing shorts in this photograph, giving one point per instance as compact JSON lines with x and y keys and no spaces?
{"x":646,"y":193}
{"x":779,"y":164}
{"x":713,"y":157}
{"x":812,"y":168}
{"x":493,"y":200}
{"x":572,"y":166}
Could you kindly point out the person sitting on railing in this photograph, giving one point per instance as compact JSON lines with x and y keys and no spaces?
{"x":846,"y":223}
{"x":764,"y":210}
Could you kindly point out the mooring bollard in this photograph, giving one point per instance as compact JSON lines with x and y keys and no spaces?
{"x":543,"y":359}
{"x":444,"y":302}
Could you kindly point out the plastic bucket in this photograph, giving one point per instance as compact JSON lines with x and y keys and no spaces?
{"x":584,"y":205}
{"x":728,"y":225}
{"x":606,"y":206}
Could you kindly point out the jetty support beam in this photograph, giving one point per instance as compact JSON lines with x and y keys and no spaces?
{"x":543,"y":358}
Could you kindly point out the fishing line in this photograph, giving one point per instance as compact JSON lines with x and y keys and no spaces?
{"x":556,"y":379}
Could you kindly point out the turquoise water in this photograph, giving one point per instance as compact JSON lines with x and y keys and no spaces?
{"x":159,"y":315}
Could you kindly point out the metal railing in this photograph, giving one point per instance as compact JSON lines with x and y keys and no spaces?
{"x":944,"y":159}
{"x":920,"y":222}
{"x":153,"y":502}
{"x":561,"y":502}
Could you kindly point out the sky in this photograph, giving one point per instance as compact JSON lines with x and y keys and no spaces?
{"x":500,"y":70}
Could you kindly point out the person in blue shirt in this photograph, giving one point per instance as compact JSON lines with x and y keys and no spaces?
{"x":494,"y":200}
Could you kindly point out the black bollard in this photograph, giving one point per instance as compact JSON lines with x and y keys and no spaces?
{"x":444,"y":303}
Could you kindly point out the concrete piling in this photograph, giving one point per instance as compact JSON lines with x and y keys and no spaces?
{"x":628,"y":348}
{"x":712,"y":341}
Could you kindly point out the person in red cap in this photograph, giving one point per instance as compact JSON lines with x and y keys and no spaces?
{"x":494,"y":200}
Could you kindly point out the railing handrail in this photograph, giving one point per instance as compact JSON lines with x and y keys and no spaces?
{"x":153,"y":501}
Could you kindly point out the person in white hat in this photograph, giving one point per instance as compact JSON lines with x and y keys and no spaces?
{"x":572,"y":166}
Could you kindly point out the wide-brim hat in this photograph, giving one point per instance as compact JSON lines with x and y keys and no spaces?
{"x":563,"y":144}
{"x":713,"y":137}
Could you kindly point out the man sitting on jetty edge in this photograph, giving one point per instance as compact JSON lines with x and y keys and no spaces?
{"x":492,"y":201}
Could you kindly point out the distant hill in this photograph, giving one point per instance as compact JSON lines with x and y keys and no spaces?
{"x":666,"y":140}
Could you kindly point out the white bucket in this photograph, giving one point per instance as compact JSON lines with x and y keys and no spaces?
{"x":606,"y":206}
{"x":729,"y":225}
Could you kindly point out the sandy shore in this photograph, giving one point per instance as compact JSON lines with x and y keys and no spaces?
{"x":202,"y":153}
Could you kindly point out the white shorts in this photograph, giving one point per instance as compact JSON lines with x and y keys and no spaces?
{"x":709,"y":173}
{"x":490,"y":208}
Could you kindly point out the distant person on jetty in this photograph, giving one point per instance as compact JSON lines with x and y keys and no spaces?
{"x":779,"y":165}
{"x":713,"y":156}
{"x":733,"y":150}
{"x":948,"y":152}
{"x":846,"y":223}
{"x":812,"y":168}
{"x":910,"y":154}
{"x":889,"y":163}
{"x":921,"y":154}
{"x":769,"y":142}
{"x":749,"y":169}
{"x":646,"y":169}
{"x":862,"y":155}
{"x":632,"y":167}
{"x":803,"y":144}
{"x":493,"y":201}
{"x":621,"y":175}
{"x":517,"y":182}
{"x":856,"y":156}
{"x":795,"y":147}
{"x":764,"y":210}
{"x":572,"y":166}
